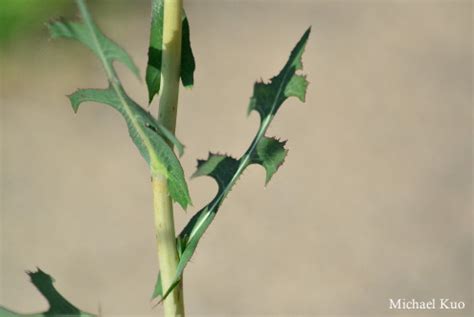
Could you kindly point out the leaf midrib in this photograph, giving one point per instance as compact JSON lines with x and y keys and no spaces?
{"x":244,"y":159}
{"x":244,"y":162}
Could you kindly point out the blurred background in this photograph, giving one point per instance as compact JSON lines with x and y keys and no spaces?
{"x":373,"y":202}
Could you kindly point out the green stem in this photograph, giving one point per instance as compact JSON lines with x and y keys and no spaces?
{"x":166,"y":243}
{"x":164,"y":220}
{"x":170,"y":63}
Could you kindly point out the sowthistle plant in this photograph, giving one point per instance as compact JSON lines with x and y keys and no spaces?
{"x":170,"y":59}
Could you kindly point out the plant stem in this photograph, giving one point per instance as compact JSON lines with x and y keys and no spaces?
{"x":166,"y":243}
{"x":171,"y":63}
{"x":164,"y":220}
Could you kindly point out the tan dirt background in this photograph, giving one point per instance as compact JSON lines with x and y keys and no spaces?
{"x":374,"y":200}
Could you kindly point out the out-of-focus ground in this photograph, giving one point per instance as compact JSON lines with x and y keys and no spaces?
{"x":373,"y":202}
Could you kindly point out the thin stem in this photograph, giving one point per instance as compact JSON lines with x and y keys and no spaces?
{"x":164,"y":220}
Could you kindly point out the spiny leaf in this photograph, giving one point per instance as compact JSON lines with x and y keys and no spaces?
{"x":297,"y":87}
{"x":268,"y":152}
{"x":268,"y":97}
{"x":146,"y":132}
{"x":220,"y":167}
{"x":155,"y":52}
{"x":58,"y":305}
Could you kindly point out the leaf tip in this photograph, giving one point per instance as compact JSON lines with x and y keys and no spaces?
{"x":306,"y":34}
{"x":150,"y":97}
{"x":188,"y":86}
{"x":74,"y":102}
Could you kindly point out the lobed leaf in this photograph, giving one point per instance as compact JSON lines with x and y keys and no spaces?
{"x":268,"y":97}
{"x":146,"y":132}
{"x":268,"y":152}
{"x":58,"y":305}
{"x":297,"y":87}
{"x":220,"y":167}
{"x":155,"y":52}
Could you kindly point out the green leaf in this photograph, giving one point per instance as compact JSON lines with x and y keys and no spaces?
{"x":188,"y":64}
{"x":90,"y":35}
{"x":155,"y":52}
{"x":58,"y":305}
{"x":146,"y":132}
{"x":158,"y":290}
{"x":268,"y":152}
{"x":297,"y":87}
{"x":268,"y":97}
{"x":220,"y":167}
